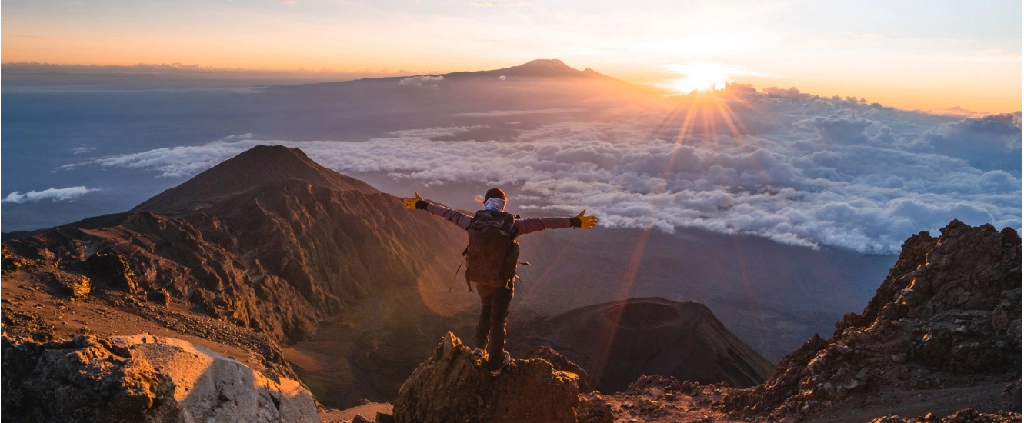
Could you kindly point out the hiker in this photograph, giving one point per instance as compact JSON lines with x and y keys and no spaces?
{"x":491,"y":259}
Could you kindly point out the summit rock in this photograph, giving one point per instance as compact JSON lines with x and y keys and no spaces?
{"x":453,"y":385}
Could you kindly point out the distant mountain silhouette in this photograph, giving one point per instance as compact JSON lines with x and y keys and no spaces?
{"x":540,"y":68}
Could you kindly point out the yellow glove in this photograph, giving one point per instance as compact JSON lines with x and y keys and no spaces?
{"x":410,"y":203}
{"x":586,"y":222}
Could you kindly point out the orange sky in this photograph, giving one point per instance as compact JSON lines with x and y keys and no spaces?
{"x":904,"y":54}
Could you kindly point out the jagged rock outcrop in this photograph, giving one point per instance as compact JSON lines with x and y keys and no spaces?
{"x":559,"y":362}
{"x":268,"y":240}
{"x":68,"y":284}
{"x":141,"y":378}
{"x":453,"y":385}
{"x":617,"y":342}
{"x":949,"y":309}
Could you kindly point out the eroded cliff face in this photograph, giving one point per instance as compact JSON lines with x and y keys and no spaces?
{"x":948,"y":313}
{"x":268,"y":240}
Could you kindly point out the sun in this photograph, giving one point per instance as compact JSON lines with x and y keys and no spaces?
{"x":701,"y":76}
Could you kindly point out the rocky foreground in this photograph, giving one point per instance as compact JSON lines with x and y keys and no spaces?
{"x":142,"y":378}
{"x":947,"y":316}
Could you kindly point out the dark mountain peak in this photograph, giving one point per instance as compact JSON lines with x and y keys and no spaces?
{"x":539,"y":68}
{"x":258,"y":166}
{"x":546,"y":68}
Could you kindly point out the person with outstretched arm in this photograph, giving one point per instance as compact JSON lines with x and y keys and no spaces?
{"x":491,"y":260}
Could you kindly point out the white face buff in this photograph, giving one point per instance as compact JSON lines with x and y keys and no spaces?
{"x":495,"y":204}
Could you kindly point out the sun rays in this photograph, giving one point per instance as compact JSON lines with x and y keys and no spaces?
{"x":699,"y":114}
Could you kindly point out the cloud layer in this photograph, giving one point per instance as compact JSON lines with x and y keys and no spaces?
{"x":54,"y":194}
{"x":798,"y":169}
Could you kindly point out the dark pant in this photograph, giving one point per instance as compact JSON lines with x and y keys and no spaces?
{"x":490,"y":331}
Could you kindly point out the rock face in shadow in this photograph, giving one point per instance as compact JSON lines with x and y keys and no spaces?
{"x":949,"y":311}
{"x":620,"y":341}
{"x":268,"y":240}
{"x":142,"y":378}
{"x":453,"y":385}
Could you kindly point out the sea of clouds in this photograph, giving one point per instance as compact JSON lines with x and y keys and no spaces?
{"x":794,"y":168}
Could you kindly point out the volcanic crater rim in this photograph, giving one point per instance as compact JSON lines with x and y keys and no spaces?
{"x":642,"y":314}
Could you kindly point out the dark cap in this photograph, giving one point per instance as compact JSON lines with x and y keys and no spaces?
{"x":495,"y":193}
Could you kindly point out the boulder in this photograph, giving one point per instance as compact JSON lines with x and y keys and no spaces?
{"x":114,"y":269}
{"x":142,"y":378}
{"x":70,"y":285}
{"x":453,"y":385}
{"x":559,"y":362}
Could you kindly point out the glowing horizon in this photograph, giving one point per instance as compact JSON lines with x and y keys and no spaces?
{"x":909,"y":57}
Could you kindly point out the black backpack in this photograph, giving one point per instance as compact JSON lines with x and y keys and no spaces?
{"x":493,"y":251}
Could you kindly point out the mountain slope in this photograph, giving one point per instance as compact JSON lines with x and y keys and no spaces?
{"x":267,"y":240}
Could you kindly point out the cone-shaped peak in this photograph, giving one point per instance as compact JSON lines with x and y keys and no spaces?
{"x":257,"y":166}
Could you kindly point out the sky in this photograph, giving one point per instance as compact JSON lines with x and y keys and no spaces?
{"x":906,"y":54}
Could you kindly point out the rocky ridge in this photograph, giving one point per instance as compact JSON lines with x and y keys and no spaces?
{"x":948,"y":315}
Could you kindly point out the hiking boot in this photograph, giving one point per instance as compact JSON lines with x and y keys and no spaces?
{"x":504,"y":363}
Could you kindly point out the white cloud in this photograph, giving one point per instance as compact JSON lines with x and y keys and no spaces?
{"x":417,"y":81}
{"x":54,"y":194}
{"x":177,"y":161}
{"x":811,"y":171}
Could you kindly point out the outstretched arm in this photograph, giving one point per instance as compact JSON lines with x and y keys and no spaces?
{"x":526,"y":226}
{"x":460,"y":219}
